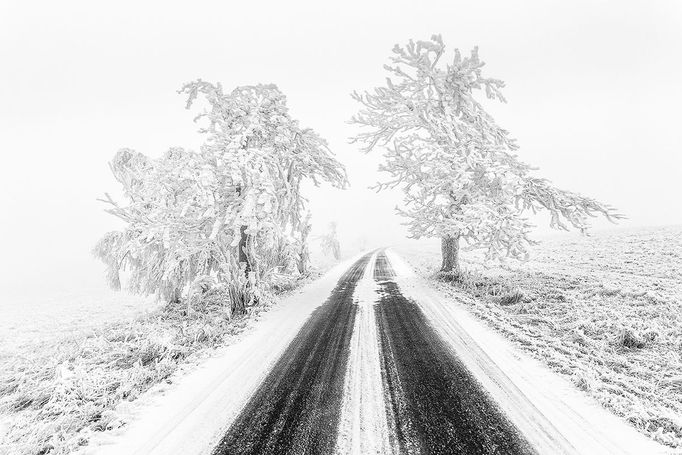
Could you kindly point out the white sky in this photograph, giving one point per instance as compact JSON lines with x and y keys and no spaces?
{"x":593,"y":89}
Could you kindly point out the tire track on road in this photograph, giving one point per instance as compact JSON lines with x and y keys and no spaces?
{"x":434,"y":404}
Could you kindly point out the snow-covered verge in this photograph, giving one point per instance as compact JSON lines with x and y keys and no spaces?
{"x":603,"y":311}
{"x":67,"y":365}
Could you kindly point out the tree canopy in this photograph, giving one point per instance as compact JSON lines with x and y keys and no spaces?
{"x":187,"y":211}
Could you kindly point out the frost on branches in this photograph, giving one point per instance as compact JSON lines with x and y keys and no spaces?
{"x":229,"y":215}
{"x":457,"y":167}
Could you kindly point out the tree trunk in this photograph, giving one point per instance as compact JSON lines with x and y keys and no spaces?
{"x":177,"y":295}
{"x":303,"y":261}
{"x":304,"y":256}
{"x":243,"y":242}
{"x":450,"y":251}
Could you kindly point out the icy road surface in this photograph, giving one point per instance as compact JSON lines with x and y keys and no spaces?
{"x":380,"y":365}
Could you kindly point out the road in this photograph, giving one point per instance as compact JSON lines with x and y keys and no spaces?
{"x":371,"y":359}
{"x":315,"y":398}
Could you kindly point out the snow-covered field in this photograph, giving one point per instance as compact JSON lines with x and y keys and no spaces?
{"x":604,"y":311}
{"x":39,"y":316}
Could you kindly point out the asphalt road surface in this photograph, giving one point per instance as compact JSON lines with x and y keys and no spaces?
{"x":296,"y":410}
{"x":433,"y":404}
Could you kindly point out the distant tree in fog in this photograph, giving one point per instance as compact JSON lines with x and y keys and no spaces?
{"x":330,"y":242}
{"x":457,"y":167}
{"x":230,"y":211}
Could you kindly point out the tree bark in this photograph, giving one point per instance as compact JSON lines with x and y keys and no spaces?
{"x":304,"y":256}
{"x":303,"y":261}
{"x":450,"y":252}
{"x":243,"y":242}
{"x":177,"y":295}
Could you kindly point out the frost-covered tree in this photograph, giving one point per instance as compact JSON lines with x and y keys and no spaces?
{"x":457,"y":167}
{"x":252,"y":128}
{"x":232,"y":207}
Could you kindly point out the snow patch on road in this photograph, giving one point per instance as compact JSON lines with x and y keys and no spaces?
{"x":363,"y":428}
{"x":550,"y":413}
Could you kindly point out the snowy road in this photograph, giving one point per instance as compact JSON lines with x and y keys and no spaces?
{"x":369,"y":360}
{"x":431,"y":402}
{"x":435,"y":404}
{"x":297,"y":407}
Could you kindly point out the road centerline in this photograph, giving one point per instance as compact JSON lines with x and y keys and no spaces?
{"x":363,"y":426}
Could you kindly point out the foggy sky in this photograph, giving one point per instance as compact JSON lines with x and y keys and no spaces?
{"x":593,"y":91}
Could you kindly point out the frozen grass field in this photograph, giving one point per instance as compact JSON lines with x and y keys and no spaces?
{"x":63,"y":372}
{"x":47,"y":317}
{"x":604,"y":311}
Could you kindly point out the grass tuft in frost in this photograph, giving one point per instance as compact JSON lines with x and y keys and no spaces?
{"x":629,"y":339}
{"x":511,"y":298}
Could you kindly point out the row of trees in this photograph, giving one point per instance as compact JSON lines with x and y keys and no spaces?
{"x":232,"y":214}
